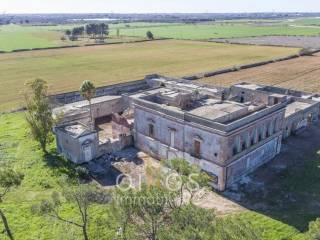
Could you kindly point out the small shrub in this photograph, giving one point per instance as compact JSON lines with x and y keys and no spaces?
{"x":45,"y":184}
{"x":83,"y":173}
{"x":150,"y":35}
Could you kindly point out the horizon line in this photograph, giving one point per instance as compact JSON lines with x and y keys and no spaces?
{"x":205,"y":12}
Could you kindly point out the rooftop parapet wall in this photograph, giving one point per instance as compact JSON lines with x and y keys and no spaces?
{"x":117,"y":89}
{"x":285,"y":91}
{"x":223,"y":128}
{"x":306,"y":100}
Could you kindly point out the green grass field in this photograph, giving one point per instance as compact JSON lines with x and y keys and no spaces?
{"x":14,"y":37}
{"x":19,"y":37}
{"x":306,"y":21}
{"x":42,"y":176}
{"x":221,"y":30}
{"x":65,"y":69}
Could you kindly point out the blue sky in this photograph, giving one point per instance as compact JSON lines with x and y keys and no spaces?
{"x":168,"y":6}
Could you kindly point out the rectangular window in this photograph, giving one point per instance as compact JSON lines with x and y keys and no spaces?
{"x":197,"y":148}
{"x":172,"y":137}
{"x":151,"y":130}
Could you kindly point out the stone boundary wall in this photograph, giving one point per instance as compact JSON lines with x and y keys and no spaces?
{"x":117,"y":89}
{"x":244,"y":66}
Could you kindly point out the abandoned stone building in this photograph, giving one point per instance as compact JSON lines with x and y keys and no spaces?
{"x":228,"y":132}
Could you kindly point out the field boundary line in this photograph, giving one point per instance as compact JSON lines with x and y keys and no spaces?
{"x":80,"y":46}
{"x":235,"y":68}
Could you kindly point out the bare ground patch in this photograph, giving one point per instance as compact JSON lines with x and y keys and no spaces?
{"x":281,"y":41}
{"x":300,"y":73}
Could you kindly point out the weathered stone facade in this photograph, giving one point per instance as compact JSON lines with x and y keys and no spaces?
{"x":228,"y":132}
{"x":217,"y":141}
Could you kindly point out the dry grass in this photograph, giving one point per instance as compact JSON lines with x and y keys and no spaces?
{"x":65,"y":69}
{"x":301,"y":74}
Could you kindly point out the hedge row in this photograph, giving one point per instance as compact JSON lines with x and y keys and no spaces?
{"x":74,"y":46}
{"x":238,"y":67}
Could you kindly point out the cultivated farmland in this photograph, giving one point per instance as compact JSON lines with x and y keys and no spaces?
{"x":301,"y":74}
{"x":65,"y":69}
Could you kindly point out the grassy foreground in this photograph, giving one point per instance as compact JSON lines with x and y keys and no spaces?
{"x":66,"y":69}
{"x":42,"y":176}
{"x":41,"y":179}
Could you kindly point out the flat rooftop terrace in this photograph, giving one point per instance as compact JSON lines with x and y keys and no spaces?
{"x":213,"y":109}
{"x":209,"y":108}
{"x":79,"y":106}
{"x":75,"y":129}
{"x":296,"y":106}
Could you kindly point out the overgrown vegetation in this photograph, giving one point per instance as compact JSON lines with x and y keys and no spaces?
{"x":44,"y":175}
{"x":39,"y":113}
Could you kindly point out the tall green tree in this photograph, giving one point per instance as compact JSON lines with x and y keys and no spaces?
{"x":94,"y":29}
{"x":39,"y":112}
{"x":150,"y":35}
{"x":8,"y":180}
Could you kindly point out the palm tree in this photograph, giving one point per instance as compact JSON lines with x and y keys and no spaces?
{"x":88,"y":90}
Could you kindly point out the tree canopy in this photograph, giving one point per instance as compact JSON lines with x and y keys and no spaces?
{"x":39,"y":112}
{"x":150,"y":35}
{"x":8,"y":179}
